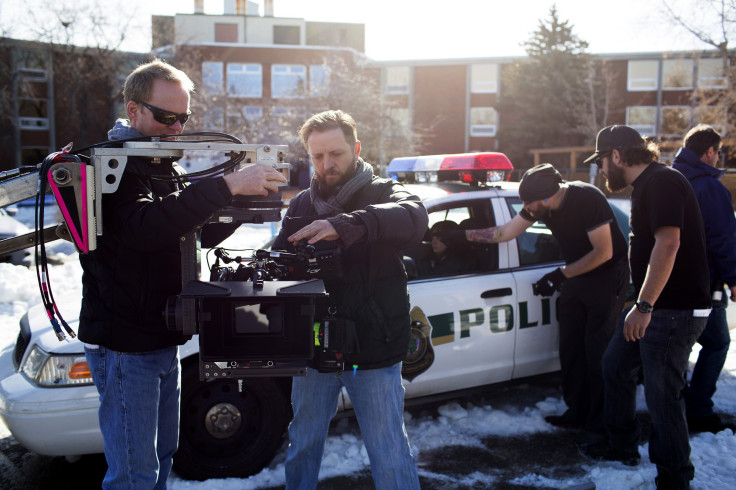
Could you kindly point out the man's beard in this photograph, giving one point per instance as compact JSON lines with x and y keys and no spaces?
{"x":540,"y":213}
{"x":331,"y":188}
{"x":615,"y":179}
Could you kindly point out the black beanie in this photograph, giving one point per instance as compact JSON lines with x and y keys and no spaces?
{"x":539,"y":182}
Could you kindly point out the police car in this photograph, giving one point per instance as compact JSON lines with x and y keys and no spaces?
{"x":470,"y":328}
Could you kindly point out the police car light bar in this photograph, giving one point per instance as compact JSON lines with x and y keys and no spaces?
{"x":471,"y":168}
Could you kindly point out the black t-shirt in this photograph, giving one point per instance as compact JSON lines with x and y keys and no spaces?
{"x":584,"y":208}
{"x":661,"y":197}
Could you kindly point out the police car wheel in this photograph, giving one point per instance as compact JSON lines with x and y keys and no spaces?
{"x":226,"y":432}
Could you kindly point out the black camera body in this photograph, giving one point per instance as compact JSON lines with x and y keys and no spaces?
{"x":264,"y":317}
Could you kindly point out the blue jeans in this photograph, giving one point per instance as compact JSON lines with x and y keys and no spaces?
{"x":663,"y":355}
{"x":139,"y":414}
{"x":378,"y":398}
{"x":715,"y":341}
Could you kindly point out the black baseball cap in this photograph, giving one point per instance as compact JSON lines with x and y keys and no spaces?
{"x":616,"y":137}
{"x":539,"y":182}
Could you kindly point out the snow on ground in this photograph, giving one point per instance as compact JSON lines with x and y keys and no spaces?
{"x":458,"y":423}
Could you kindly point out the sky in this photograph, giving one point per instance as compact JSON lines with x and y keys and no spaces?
{"x":456,"y":422}
{"x":434,"y":29}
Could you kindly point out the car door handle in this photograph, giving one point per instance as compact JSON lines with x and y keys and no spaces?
{"x":496,"y":293}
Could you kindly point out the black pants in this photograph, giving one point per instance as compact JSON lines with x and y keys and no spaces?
{"x":589,"y":307}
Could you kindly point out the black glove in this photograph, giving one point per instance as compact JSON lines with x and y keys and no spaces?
{"x":549,"y":283}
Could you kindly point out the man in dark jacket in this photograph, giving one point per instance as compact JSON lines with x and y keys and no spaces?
{"x":372,"y":220}
{"x":697,"y":161}
{"x":133,"y":358}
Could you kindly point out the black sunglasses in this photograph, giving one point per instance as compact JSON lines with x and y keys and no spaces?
{"x":599,"y":159}
{"x":167,"y":118}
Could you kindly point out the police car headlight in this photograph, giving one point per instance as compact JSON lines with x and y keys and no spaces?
{"x":50,"y":370}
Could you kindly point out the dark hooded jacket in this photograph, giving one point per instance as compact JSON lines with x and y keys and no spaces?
{"x":373,"y":289}
{"x":718,"y":214}
{"x":137,"y":263}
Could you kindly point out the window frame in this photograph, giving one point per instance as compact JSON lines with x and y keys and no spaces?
{"x":668,"y":63}
{"x":275,"y":75}
{"x":242,"y":72}
{"x":210,"y":88}
{"x":642,"y":128}
{"x":480,"y":86}
{"x":390,"y":88}
{"x":478,"y":130}
{"x":636,"y":88}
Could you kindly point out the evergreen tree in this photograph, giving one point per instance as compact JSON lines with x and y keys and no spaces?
{"x":546,"y":100}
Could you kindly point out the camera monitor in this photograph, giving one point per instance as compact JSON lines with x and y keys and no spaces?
{"x":247,"y":331}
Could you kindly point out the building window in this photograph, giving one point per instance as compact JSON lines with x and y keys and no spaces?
{"x":397,"y":80}
{"x":237,"y":117}
{"x":713,"y":116}
{"x":288,"y":80}
{"x":286,"y":35}
{"x":643,"y":75}
{"x":643,"y":119}
{"x":31,"y":65}
{"x":33,"y":114}
{"x":484,"y":78}
{"x":675,"y":121}
{"x":244,"y":80}
{"x":711,"y":73}
{"x":226,"y":33}
{"x":483,"y":121}
{"x":213,"y":119}
{"x":212,"y":77}
{"x":677,"y":74}
{"x":319,"y":80}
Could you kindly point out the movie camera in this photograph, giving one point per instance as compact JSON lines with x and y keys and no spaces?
{"x":257,"y":319}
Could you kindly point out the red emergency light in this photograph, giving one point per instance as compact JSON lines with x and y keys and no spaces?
{"x":475,"y":168}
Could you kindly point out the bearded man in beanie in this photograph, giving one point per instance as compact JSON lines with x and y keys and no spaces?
{"x":593,"y":281}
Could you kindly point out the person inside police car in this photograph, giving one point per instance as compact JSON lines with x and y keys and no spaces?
{"x":372,"y":219}
{"x":593,"y":281}
{"x":669,"y":270}
{"x":133,"y":357}
{"x":447,"y":255}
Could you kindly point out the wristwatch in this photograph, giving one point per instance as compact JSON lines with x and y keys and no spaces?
{"x":644,"y":307}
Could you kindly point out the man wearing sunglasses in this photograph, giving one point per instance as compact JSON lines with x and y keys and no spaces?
{"x":133,"y":357}
{"x":697,"y":161}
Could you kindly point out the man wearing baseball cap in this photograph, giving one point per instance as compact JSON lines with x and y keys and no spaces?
{"x":670,"y":275}
{"x":593,"y":281}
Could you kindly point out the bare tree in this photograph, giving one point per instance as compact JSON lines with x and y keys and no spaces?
{"x":351,"y":84}
{"x":712,"y":22}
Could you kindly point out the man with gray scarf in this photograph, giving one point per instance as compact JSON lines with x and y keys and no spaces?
{"x":372,"y":220}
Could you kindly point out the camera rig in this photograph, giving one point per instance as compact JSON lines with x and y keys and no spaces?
{"x":257,"y":322}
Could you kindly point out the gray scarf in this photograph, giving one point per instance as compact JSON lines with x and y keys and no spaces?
{"x":336,"y":203}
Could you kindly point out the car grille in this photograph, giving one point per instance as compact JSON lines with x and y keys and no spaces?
{"x":21,"y":344}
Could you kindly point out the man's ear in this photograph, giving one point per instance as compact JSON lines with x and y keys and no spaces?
{"x":616,"y":158}
{"x":133,"y":110}
{"x":357,"y":149}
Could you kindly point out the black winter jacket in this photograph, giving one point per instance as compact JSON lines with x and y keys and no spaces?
{"x":373,"y":291}
{"x":137,"y":263}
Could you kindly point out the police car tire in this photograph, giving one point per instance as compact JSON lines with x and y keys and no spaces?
{"x":264,"y":408}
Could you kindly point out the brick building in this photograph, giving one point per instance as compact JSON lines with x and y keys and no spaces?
{"x":250,"y":67}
